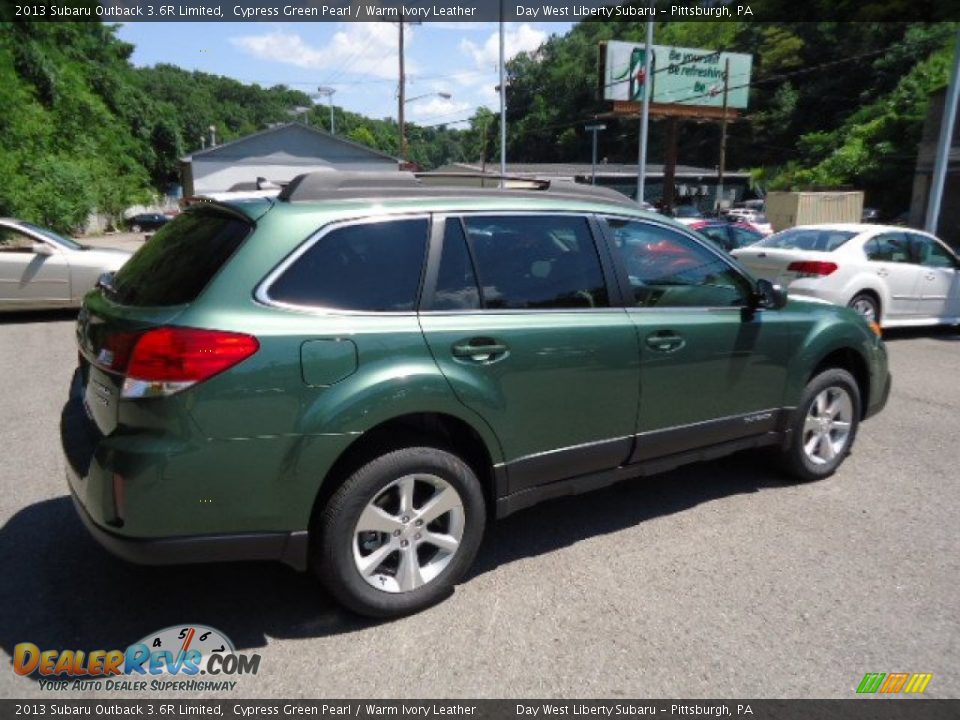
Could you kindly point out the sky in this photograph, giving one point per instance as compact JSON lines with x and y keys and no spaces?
{"x":359,"y":60}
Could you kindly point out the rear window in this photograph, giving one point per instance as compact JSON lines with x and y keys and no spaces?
{"x":373,"y":267}
{"x":807,"y":239}
{"x":177,"y":263}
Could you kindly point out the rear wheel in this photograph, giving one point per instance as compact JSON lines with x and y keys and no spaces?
{"x":824,"y":427}
{"x":135,"y":228}
{"x":400,"y":532}
{"x":866,"y":305}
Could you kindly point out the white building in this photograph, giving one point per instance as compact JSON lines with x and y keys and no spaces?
{"x":278,"y":154}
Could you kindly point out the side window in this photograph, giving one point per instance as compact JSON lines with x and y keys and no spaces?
{"x":889,"y":247}
{"x":717,"y":235}
{"x":456,"y":281}
{"x":14,"y":241}
{"x":929,"y":253}
{"x":536,"y":262}
{"x":668,"y":269}
{"x":368,"y":267}
{"x":742,"y":237}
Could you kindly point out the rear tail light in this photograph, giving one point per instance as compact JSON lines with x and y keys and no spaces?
{"x":812,"y":268}
{"x":169,"y":359}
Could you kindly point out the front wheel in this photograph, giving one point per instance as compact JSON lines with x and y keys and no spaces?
{"x":400,"y":532}
{"x":824,"y":427}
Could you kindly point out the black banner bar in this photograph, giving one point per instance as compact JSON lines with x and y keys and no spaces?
{"x":476,"y":10}
{"x":853,"y":709}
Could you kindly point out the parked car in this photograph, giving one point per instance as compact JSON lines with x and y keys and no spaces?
{"x":727,"y":235}
{"x":686,"y":214}
{"x":147,"y":221}
{"x":354,"y":387}
{"x":41,"y":270}
{"x":895,"y":276}
{"x":754,"y":218}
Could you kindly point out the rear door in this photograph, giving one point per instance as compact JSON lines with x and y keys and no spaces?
{"x":889,"y":257}
{"x":28,"y":278}
{"x":519,"y":314}
{"x":710,"y":370}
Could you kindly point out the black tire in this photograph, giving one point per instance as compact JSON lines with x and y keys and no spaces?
{"x":333,"y":557}
{"x":864,"y":300}
{"x":795,"y":460}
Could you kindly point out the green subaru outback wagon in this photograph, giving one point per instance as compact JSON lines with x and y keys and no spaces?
{"x":355,"y":376}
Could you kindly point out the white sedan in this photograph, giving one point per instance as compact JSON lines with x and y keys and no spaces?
{"x":895,"y":276}
{"x":40,"y":270}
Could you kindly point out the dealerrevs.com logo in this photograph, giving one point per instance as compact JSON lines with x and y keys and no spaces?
{"x":180,"y":657}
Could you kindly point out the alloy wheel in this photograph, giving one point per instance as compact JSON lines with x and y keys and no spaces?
{"x":866,"y":308}
{"x":826,"y":429}
{"x":408,"y":533}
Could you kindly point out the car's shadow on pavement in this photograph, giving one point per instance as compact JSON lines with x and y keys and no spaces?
{"x":943,"y":333}
{"x":61,"y":590}
{"x":22,"y":317}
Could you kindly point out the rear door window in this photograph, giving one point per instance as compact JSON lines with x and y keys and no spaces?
{"x":536,"y":262}
{"x":889,"y":247}
{"x":456,"y":279}
{"x":177,"y":263}
{"x":372,"y":267}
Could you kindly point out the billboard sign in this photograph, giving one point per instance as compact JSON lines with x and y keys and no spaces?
{"x":683,"y":76}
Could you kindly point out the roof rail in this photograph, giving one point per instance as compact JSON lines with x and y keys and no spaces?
{"x":328,"y":185}
{"x":320,"y":185}
{"x":485,"y":180}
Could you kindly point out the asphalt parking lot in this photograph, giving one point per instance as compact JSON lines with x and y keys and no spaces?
{"x":715,"y":580}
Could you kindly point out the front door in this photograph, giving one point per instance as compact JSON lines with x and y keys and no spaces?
{"x":519,"y":319}
{"x":939,"y":284}
{"x":28,"y":278}
{"x":710,"y":370}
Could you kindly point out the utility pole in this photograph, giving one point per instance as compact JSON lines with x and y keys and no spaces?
{"x":723,"y":135}
{"x":401,"y":99}
{"x":645,"y":115}
{"x":327,"y":92}
{"x":593,"y":163}
{"x":942,"y":161}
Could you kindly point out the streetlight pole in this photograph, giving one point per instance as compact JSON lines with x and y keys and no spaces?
{"x":503,"y":102}
{"x":593,"y":163}
{"x":645,"y":115}
{"x":942,"y":160}
{"x":401,"y":101}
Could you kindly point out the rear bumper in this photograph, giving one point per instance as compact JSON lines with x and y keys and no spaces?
{"x":287,"y":547}
{"x":91,"y":461}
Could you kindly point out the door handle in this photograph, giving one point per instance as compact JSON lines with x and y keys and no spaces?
{"x":665,"y":341}
{"x":930,"y":276}
{"x":883,"y":272}
{"x":479,"y":349}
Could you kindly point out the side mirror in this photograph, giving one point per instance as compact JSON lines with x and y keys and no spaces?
{"x":769,"y":295}
{"x":42,"y":249}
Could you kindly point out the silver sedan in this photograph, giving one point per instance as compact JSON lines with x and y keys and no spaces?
{"x":40,"y":269}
